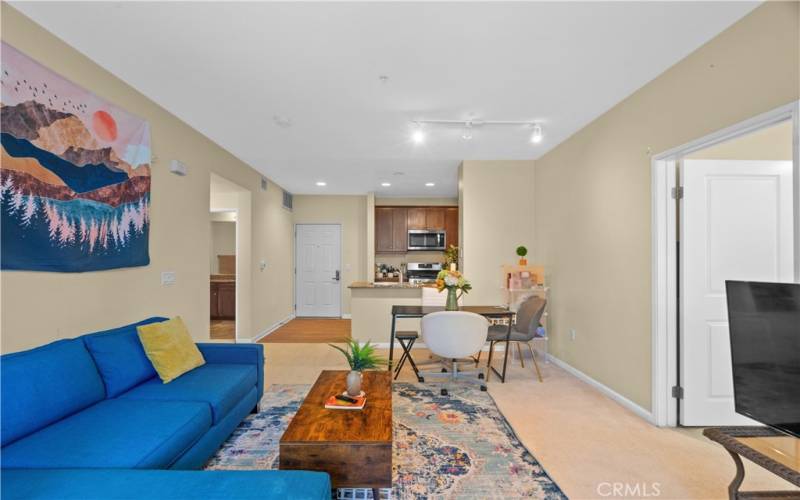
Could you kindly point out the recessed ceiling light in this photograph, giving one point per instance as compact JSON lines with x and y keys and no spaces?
{"x":386,"y":184}
{"x":429,"y":184}
{"x":322,"y":183}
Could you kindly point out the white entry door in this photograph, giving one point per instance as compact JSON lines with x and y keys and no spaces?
{"x":318,"y":279}
{"x":736,"y":220}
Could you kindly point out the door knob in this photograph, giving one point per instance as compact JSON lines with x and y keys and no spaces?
{"x":336,"y":276}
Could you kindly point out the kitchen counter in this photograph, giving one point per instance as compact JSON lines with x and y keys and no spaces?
{"x":371,"y":309}
{"x":388,"y":285}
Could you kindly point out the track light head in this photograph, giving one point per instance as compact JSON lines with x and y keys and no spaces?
{"x":418,"y":136}
{"x":537,"y":136}
{"x":467,"y":133}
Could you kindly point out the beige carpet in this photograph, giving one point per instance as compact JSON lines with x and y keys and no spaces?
{"x":583,"y":439}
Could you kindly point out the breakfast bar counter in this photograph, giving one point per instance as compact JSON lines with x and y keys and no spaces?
{"x":371,"y":309}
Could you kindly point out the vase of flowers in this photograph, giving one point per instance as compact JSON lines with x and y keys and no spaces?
{"x":359,"y":357}
{"x":454,"y":282}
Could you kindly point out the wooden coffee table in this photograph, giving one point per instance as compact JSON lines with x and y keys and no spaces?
{"x":353,"y":446}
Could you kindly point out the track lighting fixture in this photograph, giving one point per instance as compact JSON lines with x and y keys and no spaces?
{"x":418,"y":136}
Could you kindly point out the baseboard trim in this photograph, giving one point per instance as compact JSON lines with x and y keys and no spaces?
{"x":611,"y":393}
{"x":273,"y":327}
{"x":346,"y":316}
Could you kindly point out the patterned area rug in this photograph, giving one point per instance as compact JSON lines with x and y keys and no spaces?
{"x":456,"y":446}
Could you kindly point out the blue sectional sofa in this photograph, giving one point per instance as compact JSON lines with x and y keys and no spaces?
{"x":95,"y":403}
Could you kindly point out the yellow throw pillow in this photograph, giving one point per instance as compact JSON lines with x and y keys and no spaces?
{"x":170,"y":348}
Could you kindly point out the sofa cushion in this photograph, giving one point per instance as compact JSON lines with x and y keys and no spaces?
{"x":114,"y":434}
{"x":221,"y":386}
{"x":120,"y":357}
{"x":76,"y":484}
{"x":46,"y":384}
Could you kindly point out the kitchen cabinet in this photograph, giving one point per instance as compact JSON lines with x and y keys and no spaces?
{"x":393,"y":223}
{"x":417,"y":218}
{"x":391,"y":229}
{"x":451,"y":226}
{"x":434,"y":218}
{"x":223,"y":299}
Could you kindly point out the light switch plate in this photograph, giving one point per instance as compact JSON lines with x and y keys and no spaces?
{"x":168,"y":277}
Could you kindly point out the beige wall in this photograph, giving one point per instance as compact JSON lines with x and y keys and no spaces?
{"x":497,"y":213}
{"x":223,"y":242}
{"x":351,"y":213}
{"x":769,"y":144}
{"x":179,"y":235}
{"x":593,"y":197}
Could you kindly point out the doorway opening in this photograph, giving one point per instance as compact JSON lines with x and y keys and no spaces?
{"x":229,"y":260}
{"x":223,"y":275}
{"x":318,"y":277}
{"x":725,"y":207}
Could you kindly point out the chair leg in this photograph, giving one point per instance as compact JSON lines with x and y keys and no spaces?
{"x":489,"y":362}
{"x":478,"y":358}
{"x":404,"y":357}
{"x":535,"y":364}
{"x":519,"y":351}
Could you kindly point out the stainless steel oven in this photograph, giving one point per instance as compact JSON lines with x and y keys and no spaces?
{"x":426,"y":239}
{"x":421,"y":273}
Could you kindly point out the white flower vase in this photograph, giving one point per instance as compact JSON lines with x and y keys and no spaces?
{"x":354,"y":383}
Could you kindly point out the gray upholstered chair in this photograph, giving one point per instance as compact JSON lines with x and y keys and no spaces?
{"x":523,"y":331}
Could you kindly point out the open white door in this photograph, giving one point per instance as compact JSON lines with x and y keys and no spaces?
{"x":318,"y":279}
{"x":736,"y":220}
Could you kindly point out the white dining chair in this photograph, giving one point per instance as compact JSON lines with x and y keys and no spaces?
{"x":454,"y":336}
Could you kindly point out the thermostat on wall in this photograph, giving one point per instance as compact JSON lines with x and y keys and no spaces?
{"x":177,"y":167}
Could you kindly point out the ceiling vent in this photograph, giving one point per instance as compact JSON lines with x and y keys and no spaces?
{"x":263,"y":183}
{"x":287,"y":199}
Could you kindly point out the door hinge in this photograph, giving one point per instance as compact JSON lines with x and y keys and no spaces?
{"x":677,"y":392}
{"x":677,"y":193}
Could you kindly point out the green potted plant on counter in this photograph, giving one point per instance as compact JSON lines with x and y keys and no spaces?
{"x":522,"y":252}
{"x":360,"y":357}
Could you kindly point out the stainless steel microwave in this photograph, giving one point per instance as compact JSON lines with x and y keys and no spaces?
{"x":426,"y":239}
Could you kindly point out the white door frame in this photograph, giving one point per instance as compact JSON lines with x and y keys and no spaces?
{"x":664,"y":249}
{"x":237,"y":277}
{"x":341,"y":259}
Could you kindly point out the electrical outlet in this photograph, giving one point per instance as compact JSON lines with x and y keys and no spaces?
{"x":168,"y":278}
{"x":572,"y":334}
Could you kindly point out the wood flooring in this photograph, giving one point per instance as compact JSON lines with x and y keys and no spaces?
{"x":223,"y":329}
{"x":310,"y":331}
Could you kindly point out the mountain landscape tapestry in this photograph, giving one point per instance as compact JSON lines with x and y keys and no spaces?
{"x":75,"y":176}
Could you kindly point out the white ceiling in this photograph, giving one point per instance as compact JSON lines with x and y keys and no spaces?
{"x":228,"y":69}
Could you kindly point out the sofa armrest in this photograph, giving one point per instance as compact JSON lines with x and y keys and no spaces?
{"x":245,"y":354}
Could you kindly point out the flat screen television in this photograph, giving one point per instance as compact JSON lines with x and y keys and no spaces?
{"x":764,"y":321}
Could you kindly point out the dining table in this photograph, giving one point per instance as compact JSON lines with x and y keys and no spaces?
{"x":490,"y":312}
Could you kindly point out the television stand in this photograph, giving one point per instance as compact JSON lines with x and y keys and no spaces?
{"x":772,"y":450}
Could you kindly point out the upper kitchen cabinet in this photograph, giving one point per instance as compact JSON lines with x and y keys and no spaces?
{"x":391,"y":229}
{"x":434,"y":218}
{"x":416,"y":218}
{"x":451,"y":226}
{"x":426,"y":218}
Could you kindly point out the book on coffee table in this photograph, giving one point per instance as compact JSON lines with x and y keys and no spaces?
{"x":337,"y":404}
